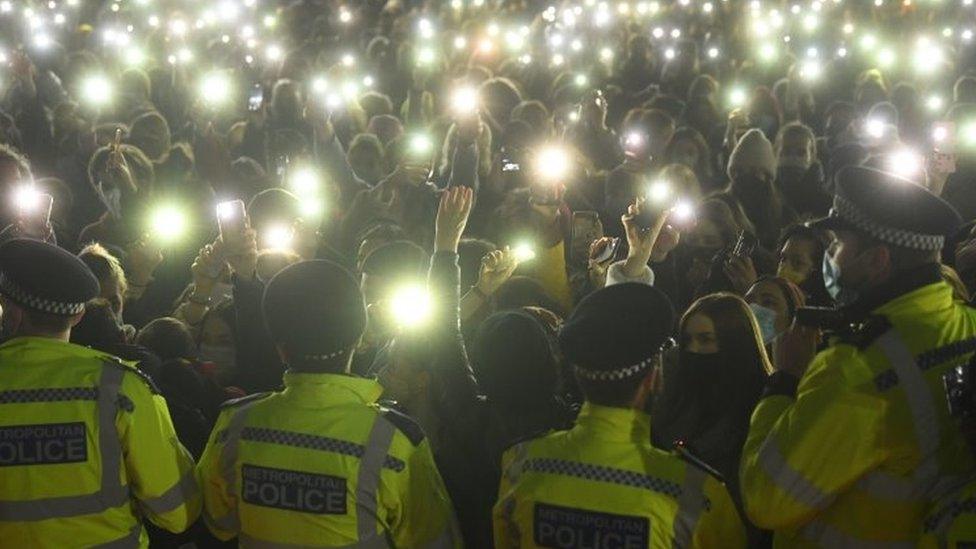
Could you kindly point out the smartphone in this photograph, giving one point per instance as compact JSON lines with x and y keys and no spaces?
{"x":599,"y":99}
{"x":586,"y":228}
{"x":944,"y":137}
{"x":744,"y":245}
{"x":37,"y":212}
{"x":231,"y":220}
{"x":256,"y":98}
{"x":608,"y":252}
{"x":281,"y":168}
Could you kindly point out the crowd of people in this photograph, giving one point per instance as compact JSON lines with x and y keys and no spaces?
{"x":487,"y":273}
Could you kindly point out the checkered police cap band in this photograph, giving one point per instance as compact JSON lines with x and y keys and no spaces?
{"x":614,"y":375}
{"x":848,"y":211}
{"x":12,"y":290}
{"x":323,"y":358}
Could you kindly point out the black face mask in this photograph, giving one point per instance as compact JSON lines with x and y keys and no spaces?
{"x":699,"y":366}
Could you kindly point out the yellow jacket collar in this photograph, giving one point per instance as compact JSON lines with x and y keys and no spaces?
{"x":332,"y":387}
{"x":619,"y":424}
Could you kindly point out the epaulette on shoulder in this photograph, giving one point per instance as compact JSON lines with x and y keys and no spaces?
{"x":115,"y":362}
{"x":867,"y":332}
{"x":404,"y":423}
{"x":688,"y":457}
{"x":234,"y":402}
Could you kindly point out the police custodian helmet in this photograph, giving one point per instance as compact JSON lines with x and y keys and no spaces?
{"x":45,"y":278}
{"x":890,"y":209}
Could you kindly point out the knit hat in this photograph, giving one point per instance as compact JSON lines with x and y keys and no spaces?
{"x":753,"y":152}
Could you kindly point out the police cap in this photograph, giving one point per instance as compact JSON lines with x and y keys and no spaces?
{"x":45,"y":278}
{"x":615,"y":333}
{"x":890,"y":209}
{"x":315,"y":310}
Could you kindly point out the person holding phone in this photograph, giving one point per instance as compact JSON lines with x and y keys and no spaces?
{"x":882,"y":268}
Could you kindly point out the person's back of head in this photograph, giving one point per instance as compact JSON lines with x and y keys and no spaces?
{"x":515,"y":362}
{"x":109,"y":272}
{"x":150,"y":132}
{"x":614,"y":340}
{"x":99,"y":328}
{"x":964,"y":90}
{"x":169,"y":338}
{"x":272,"y":206}
{"x":315,"y":315}
{"x":400,"y":258}
{"x":366,"y":157}
{"x":521,"y":291}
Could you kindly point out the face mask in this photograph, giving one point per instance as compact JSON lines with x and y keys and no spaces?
{"x":766,"y":318}
{"x":831,"y":272}
{"x":700,"y":366}
{"x":225,"y":357}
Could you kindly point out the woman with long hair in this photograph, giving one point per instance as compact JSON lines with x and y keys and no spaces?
{"x":711,"y":389}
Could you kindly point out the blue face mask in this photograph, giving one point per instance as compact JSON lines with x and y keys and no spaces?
{"x":766,"y":318}
{"x":831,"y":274}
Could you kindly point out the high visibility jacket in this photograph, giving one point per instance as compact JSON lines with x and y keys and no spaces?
{"x":86,"y":449}
{"x":952,"y":523}
{"x":867,"y":443}
{"x":321,"y":464}
{"x":601,"y":484}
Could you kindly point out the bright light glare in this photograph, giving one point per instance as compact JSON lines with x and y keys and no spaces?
{"x":96,"y":90}
{"x":27,"y":198}
{"x":464,"y":100}
{"x":304,"y":181}
{"x":523,"y":251}
{"x":226,"y":210}
{"x":658,"y":192}
{"x":278,"y":237}
{"x":552,"y":163}
{"x":420,"y":144}
{"x":875,"y":128}
{"x":168,"y":223}
{"x":411,"y":306}
{"x":737,"y":97}
{"x":683,"y":211}
{"x":215,"y":89}
{"x":905,"y":163}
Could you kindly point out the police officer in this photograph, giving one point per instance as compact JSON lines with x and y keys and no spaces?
{"x":87,"y":447}
{"x":849,"y":448}
{"x":601,"y":484}
{"x":320,"y":462}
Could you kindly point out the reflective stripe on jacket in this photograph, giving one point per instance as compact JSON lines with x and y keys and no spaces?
{"x":856,"y":458}
{"x":321,"y":464}
{"x":86,"y":447}
{"x":601,"y":484}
